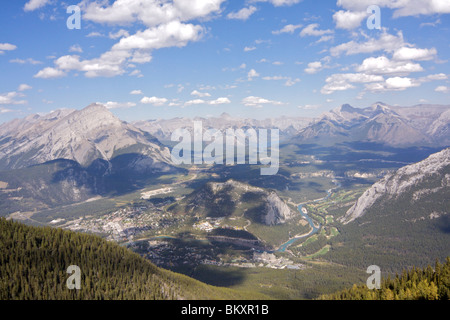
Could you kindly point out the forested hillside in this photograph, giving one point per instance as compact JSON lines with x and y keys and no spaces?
{"x":415,"y":284}
{"x":34,"y":262}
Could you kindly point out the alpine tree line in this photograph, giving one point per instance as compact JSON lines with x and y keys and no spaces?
{"x":415,"y":284}
{"x":34,"y":262}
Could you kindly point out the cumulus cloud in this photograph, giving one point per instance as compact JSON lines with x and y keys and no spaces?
{"x":24,"y":87}
{"x":76,"y":48}
{"x":118,"y":105}
{"x":252,"y":74}
{"x":242,"y":14}
{"x":150,"y":13}
{"x":401,"y":8}
{"x":385,"y":42}
{"x":25,"y":61}
{"x":314,"y":67}
{"x":218,"y":101}
{"x":349,"y":19}
{"x":166,"y":26}
{"x":200,"y":94}
{"x":290,"y":28}
{"x":119,"y":34}
{"x":7,"y":47}
{"x":157,"y":102}
{"x":10,"y":98}
{"x":258,"y":102}
{"x":136,"y":92}
{"x":135,"y":48}
{"x":35,"y":4}
{"x":279,"y":3}
{"x":49,"y":73}
{"x":312,"y":30}
{"x":222,"y":100}
{"x":344,"y":81}
{"x":406,"y":53}
{"x":442,"y":89}
{"x":384,"y":66}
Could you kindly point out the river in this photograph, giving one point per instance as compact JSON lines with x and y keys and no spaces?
{"x":315,"y":229}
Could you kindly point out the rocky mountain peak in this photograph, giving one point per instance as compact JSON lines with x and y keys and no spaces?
{"x":404,"y":180}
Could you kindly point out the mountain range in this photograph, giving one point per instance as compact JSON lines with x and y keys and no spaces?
{"x":400,"y":221}
{"x":84,"y":136}
{"x":422,"y":125}
{"x":417,"y":183}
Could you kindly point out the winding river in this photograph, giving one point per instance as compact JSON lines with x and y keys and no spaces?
{"x":315,"y":229}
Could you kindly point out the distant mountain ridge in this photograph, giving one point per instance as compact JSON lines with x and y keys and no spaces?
{"x":163,"y":128}
{"x":424,"y":125}
{"x":84,"y":136}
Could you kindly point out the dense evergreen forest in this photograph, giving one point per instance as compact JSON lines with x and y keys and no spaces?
{"x":415,"y":284}
{"x":34,"y":262}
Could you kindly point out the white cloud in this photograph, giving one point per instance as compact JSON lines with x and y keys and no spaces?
{"x":9,"y":98}
{"x":386,"y":42}
{"x":325,"y":38}
{"x":157,"y":102}
{"x":406,"y":53}
{"x":252,"y":74}
{"x":242,"y":14}
{"x":151,"y":13}
{"x":349,"y":19}
{"x":433,"y":77}
{"x":383,"y":66}
{"x":222,"y":100}
{"x":4,"y":110}
{"x":135,"y":48}
{"x":311,"y":30}
{"x":24,"y":87}
{"x":49,"y":73}
{"x":118,"y":105}
{"x":402,"y":7}
{"x":7,"y":47}
{"x":194,"y":102}
{"x":25,"y":61}
{"x":314,"y":67}
{"x":290,"y":28}
{"x":258,"y":102}
{"x":119,"y":34}
{"x":94,"y":34}
{"x":166,"y":28}
{"x":275,"y":78}
{"x":399,"y":83}
{"x":290,"y":82}
{"x":200,"y":94}
{"x":248,"y":49}
{"x":76,"y":48}
{"x":310,"y":107}
{"x":343,"y":81}
{"x":442,"y":89}
{"x":279,"y":3}
{"x":35,"y":4}
{"x":136,"y":92}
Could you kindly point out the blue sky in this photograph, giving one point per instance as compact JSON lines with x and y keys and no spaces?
{"x":148,"y":59}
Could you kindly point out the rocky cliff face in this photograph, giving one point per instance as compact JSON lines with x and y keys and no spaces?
{"x":234,"y":198}
{"x":415,"y":181}
{"x":83,"y":136}
{"x":277,"y":211}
